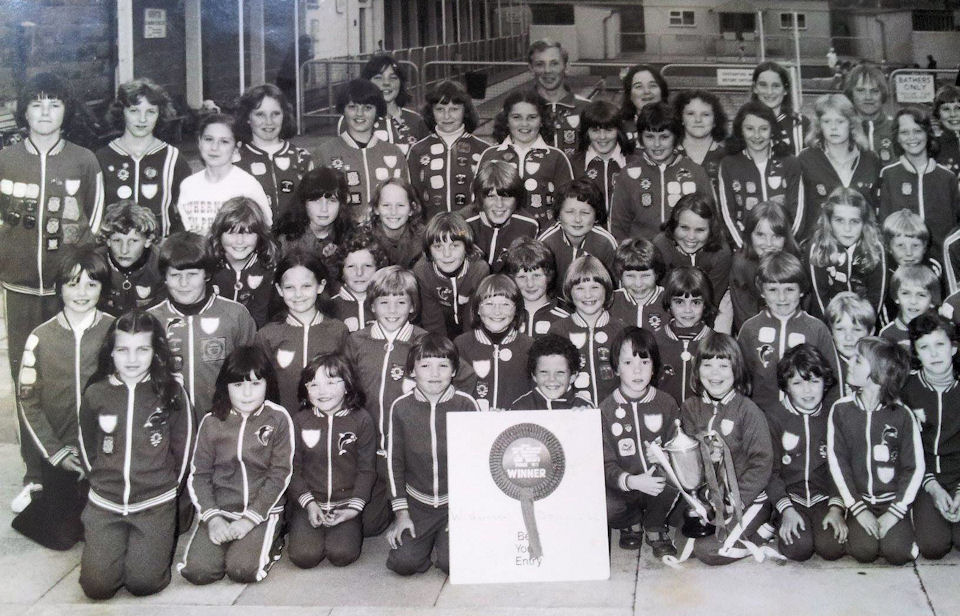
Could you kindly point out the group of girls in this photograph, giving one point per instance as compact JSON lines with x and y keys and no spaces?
{"x":532,"y":274}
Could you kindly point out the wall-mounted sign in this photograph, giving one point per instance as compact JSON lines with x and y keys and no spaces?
{"x":914,"y":87}
{"x":154,"y":23}
{"x":735,"y":77}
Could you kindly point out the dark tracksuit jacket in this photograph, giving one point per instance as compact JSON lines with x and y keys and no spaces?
{"x":134,"y":448}
{"x":539,"y":322}
{"x":646,"y":193}
{"x":250,"y":286}
{"x":876,"y":455}
{"x":501,"y":369}
{"x":790,"y":130}
{"x":742,"y":185}
{"x":801,"y":474}
{"x":764,"y":339}
{"x":744,"y":429}
{"x":596,"y":374}
{"x":333,"y":464}
{"x":152,"y":180}
{"x":57,"y":363}
{"x":714,"y":263}
{"x":597,"y":242}
{"x":404,"y":131}
{"x":543,"y":169}
{"x":931,"y":193}
{"x":881,"y":135}
{"x":417,"y":447}
{"x":711,"y":160}
{"x":565,"y":117}
{"x":445,"y":300}
{"x":628,"y":425}
{"x":649,"y":315}
{"x":444,"y":174}
{"x":403,"y":251}
{"x":290,"y":344}
{"x":939,"y":415}
{"x":241,"y":466}
{"x":494,"y":240}
{"x":949,"y":154}
{"x":677,"y":348}
{"x":603,"y":171}
{"x":534,"y":400}
{"x":820,"y":178}
{"x":278,"y":173}
{"x":848,"y":272}
{"x":139,"y":287}
{"x":351,"y":310}
{"x":744,"y":295}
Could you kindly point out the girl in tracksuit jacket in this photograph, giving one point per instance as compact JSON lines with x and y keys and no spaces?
{"x":755,"y":172}
{"x":358,"y":257}
{"x":448,"y":274}
{"x":239,"y":474}
{"x":850,"y":260}
{"x":443,"y":164}
{"x":602,"y":148}
{"x":333,"y":466}
{"x":417,"y":457}
{"x":800,"y":488}
{"x":581,"y":217}
{"x":303,"y":331}
{"x":496,"y":215}
{"x":876,"y":454}
{"x":136,"y":431}
{"x":916,"y":182}
{"x":588,"y":287}
{"x":497,"y":348}
{"x":946,"y":112}
{"x":245,"y":265}
{"x":933,"y":394}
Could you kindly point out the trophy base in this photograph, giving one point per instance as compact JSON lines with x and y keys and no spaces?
{"x":695,"y":528}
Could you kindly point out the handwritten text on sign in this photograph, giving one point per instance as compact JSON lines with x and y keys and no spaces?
{"x":914,"y":87}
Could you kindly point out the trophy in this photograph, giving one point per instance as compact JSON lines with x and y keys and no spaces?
{"x":681,"y":461}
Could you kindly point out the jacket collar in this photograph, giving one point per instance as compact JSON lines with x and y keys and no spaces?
{"x":444,"y":397}
{"x":292,"y":320}
{"x":341,"y":413}
{"x":648,"y":397}
{"x":353,"y":144}
{"x":403,"y":334}
{"x":616,"y":156}
{"x":538,"y":144}
{"x":56,"y":149}
{"x":284,"y":148}
{"x":117,"y":146}
{"x":931,"y":165}
{"x":787,"y":404}
{"x":727,"y":397}
{"x":654,"y":297}
{"x":603,"y":319}
{"x":483,"y":338}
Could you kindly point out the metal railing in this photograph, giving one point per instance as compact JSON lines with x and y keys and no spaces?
{"x":742,"y":46}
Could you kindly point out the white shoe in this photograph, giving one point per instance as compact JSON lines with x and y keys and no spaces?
{"x":21,"y":500}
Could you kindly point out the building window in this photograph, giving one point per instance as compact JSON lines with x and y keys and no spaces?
{"x":682,"y":19}
{"x":552,"y":14}
{"x":786,"y":21}
{"x":933,"y":21}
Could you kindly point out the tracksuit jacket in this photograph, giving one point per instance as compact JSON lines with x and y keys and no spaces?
{"x":876,"y":455}
{"x":57,"y":363}
{"x":351,"y":310}
{"x":628,"y":425}
{"x":744,"y":429}
{"x":444,"y":174}
{"x":646,"y":193}
{"x":677,"y":348}
{"x":801,"y":473}
{"x":938,"y":413}
{"x":445,"y":300}
{"x":334,"y":461}
{"x":596,"y":374}
{"x":896,"y":331}
{"x":494,"y":240}
{"x":46,"y":201}
{"x":403,"y":251}
{"x":278,"y":173}
{"x":501,"y":369}
{"x":200,"y":343}
{"x":790,"y":130}
{"x":847,"y":272}
{"x":417,"y":447}
{"x":565,"y":119}
{"x":949,"y":154}
{"x":363,"y":167}
{"x":603,"y":171}
{"x":764,"y":339}
{"x":291,"y":344}
{"x":241,"y":466}
{"x":534,"y":400}
{"x":881,"y":135}
{"x":152,"y":180}
{"x":742,"y":185}
{"x":543,"y":169}
{"x":714,"y":263}
{"x":649,"y":315}
{"x":711,"y":160}
{"x":251,"y":286}
{"x":597,"y":242}
{"x":543,"y":317}
{"x":933,"y":194}
{"x":134,"y":448}
{"x":820,"y":178}
{"x":744,"y":295}
{"x":403,"y":131}
{"x":138,"y":287}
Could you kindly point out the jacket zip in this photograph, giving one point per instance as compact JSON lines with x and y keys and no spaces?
{"x":128,"y":428}
{"x":243,"y":465}
{"x":329,"y":458}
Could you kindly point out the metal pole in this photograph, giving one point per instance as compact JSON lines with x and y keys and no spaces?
{"x":243,"y":77}
{"x":763,"y":43}
{"x":296,"y":63}
{"x":798,"y":87}
{"x":443,"y":19}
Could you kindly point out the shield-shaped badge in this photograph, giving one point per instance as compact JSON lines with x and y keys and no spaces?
{"x":72,"y":186}
{"x":578,"y":339}
{"x":209,"y":324}
{"x":390,"y":160}
{"x":285,"y":358}
{"x":282,"y":163}
{"x":108,"y":423}
{"x":481,"y":367}
{"x":726,"y":427}
{"x":310,"y":437}
{"x":790,"y":441}
{"x":653,"y":421}
{"x":149,"y":190}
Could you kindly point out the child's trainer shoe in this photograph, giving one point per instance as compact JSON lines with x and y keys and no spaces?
{"x":661,"y":544}
{"x":630,"y":539}
{"x":21,"y":500}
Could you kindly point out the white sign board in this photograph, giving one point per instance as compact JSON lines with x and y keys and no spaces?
{"x":527,"y":499}
{"x":914,"y":87}
{"x":735,"y":77}
{"x":154,"y":23}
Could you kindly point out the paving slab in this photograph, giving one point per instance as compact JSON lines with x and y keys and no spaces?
{"x":11,"y":609}
{"x":114,"y":609}
{"x":748,"y":587}
{"x":367,"y":582}
{"x":939,"y":579}
{"x":481,"y":611}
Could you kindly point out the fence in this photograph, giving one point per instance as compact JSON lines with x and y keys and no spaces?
{"x":745,"y":47}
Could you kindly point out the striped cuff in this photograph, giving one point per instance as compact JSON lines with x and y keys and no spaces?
{"x":783,"y":504}
{"x":836,"y":501}
{"x":205,"y":516}
{"x":305,"y":499}
{"x":399,"y":504}
{"x":857,"y":507}
{"x":58,"y":457}
{"x":356,"y":503}
{"x":927,"y":478}
{"x":253,"y":516}
{"x":899,"y":511}
{"x":622,"y":482}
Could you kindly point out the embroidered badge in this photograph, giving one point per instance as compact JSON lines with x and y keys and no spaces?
{"x":345,"y":439}
{"x":263,"y":434}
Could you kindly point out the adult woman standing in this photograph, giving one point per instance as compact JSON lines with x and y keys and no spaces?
{"x":642,"y":85}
